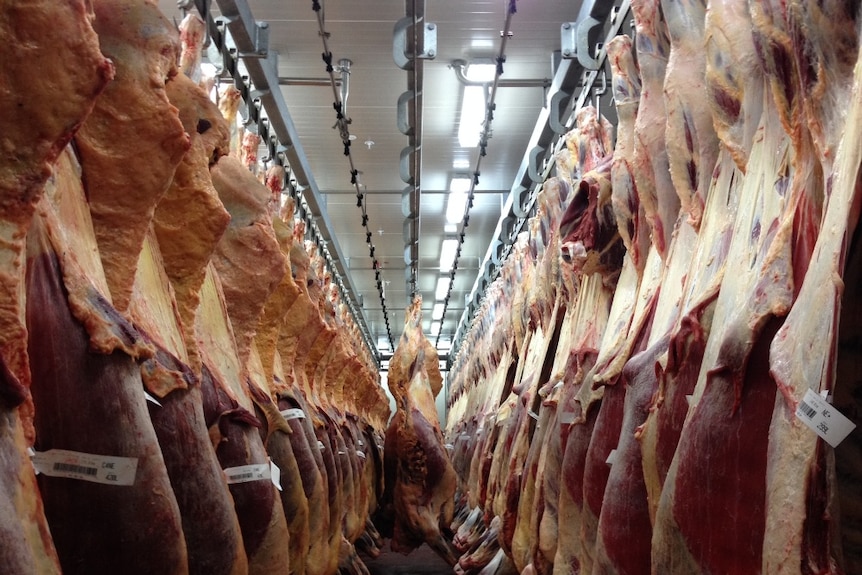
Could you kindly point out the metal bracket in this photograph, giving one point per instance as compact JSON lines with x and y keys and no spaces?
{"x":520,"y":205}
{"x":399,"y":43}
{"x":261,"y":41}
{"x":403,"y":116}
{"x":409,"y":209}
{"x":405,"y":167}
{"x":533,"y":165}
{"x":555,"y":107}
{"x":575,"y":41}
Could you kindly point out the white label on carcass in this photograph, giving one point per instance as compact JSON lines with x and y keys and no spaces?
{"x":151,"y":399}
{"x":823,"y":419}
{"x":342,"y":453}
{"x":534,"y":415}
{"x":86,"y":467}
{"x":360,"y":454}
{"x":289,"y":414}
{"x":275,"y":475}
{"x":567,"y":417}
{"x":360,"y":443}
{"x":246,"y":473}
{"x":320,"y":445}
{"x":30,"y":453}
{"x":612,"y":457}
{"x":689,"y":399}
{"x":449,"y":446}
{"x":558,"y":385}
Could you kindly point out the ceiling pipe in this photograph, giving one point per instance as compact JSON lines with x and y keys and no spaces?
{"x":321,"y":82}
{"x":344,"y":65}
{"x":460,"y":69}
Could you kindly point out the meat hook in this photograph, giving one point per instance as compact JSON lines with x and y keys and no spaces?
{"x":601,"y":92}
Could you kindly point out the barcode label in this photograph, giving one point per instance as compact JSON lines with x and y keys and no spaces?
{"x":823,"y":419}
{"x":567,"y":417}
{"x":70,"y":468}
{"x":320,"y":445}
{"x":807,"y":410}
{"x":289,"y":414}
{"x":103,"y":469}
{"x":246,"y":473}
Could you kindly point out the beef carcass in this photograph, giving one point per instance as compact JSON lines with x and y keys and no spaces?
{"x":210,"y":525}
{"x":626,"y":203}
{"x":132,"y":119}
{"x":67,"y":82}
{"x":806,"y":486}
{"x":90,"y":398}
{"x":190,"y":219}
{"x":247,"y":281}
{"x":423,"y":483}
{"x":692,"y":145}
{"x":650,"y":165}
{"x":734,"y":391}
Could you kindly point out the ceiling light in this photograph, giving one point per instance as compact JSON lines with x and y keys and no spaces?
{"x":450,"y":228}
{"x":484,"y":71}
{"x":457,"y":203}
{"x":437,"y":312}
{"x":461,"y":164}
{"x":472,"y":116}
{"x":435,"y":328}
{"x":447,"y":254}
{"x":442,"y":288}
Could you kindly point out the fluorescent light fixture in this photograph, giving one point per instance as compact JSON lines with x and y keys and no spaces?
{"x":481,"y":72}
{"x":437,"y":312}
{"x":461,"y":164}
{"x":450,"y":228}
{"x":472,"y":116}
{"x":448,"y":250}
{"x":442,"y":288}
{"x":435,"y":327}
{"x":457,"y":203}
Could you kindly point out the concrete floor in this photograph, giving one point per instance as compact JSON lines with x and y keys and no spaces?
{"x":422,"y":561}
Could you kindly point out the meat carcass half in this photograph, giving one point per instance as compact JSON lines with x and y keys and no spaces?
{"x":35,"y":79}
{"x":423,"y":483}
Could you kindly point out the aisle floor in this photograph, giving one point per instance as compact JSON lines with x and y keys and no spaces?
{"x":422,"y":561}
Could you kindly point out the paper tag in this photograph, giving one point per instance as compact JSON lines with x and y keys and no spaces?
{"x":558,"y":385}
{"x":567,"y":417}
{"x":449,"y":446}
{"x":360,"y":443}
{"x":30,"y":453}
{"x":360,"y":454}
{"x":275,"y":474}
{"x":612,"y":457}
{"x":151,"y":399}
{"x":289,"y":414}
{"x":246,"y":473}
{"x":534,"y":415}
{"x":688,"y":399}
{"x":320,"y":445}
{"x":823,"y":419}
{"x":94,"y":468}
{"x":342,"y":453}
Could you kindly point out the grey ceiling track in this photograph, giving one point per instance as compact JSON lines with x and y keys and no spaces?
{"x":413,"y":41}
